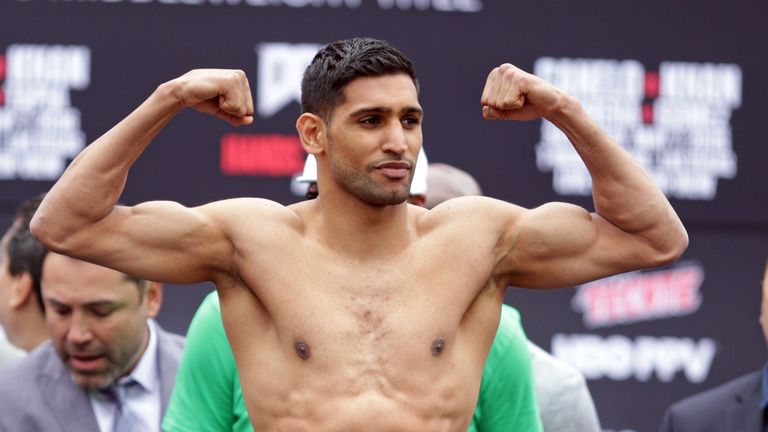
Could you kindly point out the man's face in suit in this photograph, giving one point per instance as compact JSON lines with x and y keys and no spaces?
{"x":97,"y":318}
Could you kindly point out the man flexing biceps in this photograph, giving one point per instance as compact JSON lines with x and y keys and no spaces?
{"x":357,"y":311}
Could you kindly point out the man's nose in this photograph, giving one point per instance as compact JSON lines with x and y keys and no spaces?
{"x":79,"y":330}
{"x":395,"y":139}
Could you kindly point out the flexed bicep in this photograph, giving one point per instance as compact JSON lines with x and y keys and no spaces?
{"x":562,"y":245}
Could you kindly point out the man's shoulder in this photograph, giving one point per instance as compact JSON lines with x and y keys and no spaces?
{"x":709,"y":407}
{"x":168,"y":340}
{"x":19,"y":387}
{"x":29,"y":366}
{"x":236,"y":211}
{"x":551,"y":371}
{"x":715,"y":397}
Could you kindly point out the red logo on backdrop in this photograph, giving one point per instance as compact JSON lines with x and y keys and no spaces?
{"x":261,"y":155}
{"x":652,"y":85}
{"x":640,"y":296}
{"x":2,"y":77}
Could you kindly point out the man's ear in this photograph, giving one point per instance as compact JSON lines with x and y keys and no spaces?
{"x":22,"y":290}
{"x":154,"y":298}
{"x":311,"y":130}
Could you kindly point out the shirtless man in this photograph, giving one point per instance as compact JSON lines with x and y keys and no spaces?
{"x":357,"y":311}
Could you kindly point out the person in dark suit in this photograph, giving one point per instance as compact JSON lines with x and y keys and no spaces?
{"x":738,"y":405}
{"x":108,"y":365}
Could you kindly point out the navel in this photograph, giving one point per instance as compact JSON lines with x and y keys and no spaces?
{"x":437,"y":347}
{"x":302,"y":349}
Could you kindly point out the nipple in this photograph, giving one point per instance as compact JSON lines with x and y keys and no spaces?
{"x":302,"y":349}
{"x":437,"y":347}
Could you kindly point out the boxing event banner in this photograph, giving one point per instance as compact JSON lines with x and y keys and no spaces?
{"x":680,"y":86}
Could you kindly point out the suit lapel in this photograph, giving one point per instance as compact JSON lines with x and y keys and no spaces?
{"x":68,"y":403}
{"x":744,"y":414}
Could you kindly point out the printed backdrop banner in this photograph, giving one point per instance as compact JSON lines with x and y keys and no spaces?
{"x":680,"y":86}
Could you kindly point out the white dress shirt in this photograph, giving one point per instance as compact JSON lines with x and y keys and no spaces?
{"x":9,"y":354}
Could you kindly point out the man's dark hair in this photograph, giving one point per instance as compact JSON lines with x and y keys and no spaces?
{"x":25,"y":252}
{"x":340,"y":62}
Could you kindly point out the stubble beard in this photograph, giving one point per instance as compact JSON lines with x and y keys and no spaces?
{"x":361,"y":185}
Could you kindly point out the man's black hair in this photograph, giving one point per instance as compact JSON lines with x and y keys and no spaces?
{"x":340,"y":62}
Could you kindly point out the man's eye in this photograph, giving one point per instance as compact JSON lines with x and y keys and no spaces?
{"x":103,"y":313}
{"x":370,"y":121}
{"x":61,"y":311}
{"x":411,"y":121}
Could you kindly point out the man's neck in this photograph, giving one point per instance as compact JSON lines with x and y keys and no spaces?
{"x":32,"y":331}
{"x":361,"y":228}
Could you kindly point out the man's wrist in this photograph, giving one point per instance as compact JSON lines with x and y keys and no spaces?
{"x":170,"y":93}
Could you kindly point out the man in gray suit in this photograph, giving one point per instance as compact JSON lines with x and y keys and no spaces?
{"x":738,"y":405}
{"x":108,"y":365}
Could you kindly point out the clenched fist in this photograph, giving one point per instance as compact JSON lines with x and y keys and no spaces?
{"x":220,"y":92}
{"x":513,"y":94}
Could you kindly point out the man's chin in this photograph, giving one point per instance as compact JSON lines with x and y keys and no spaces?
{"x":91,"y":381}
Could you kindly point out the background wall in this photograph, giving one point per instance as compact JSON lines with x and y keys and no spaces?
{"x":679,"y":84}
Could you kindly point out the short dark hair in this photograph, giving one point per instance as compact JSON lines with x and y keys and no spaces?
{"x":142,"y":284}
{"x":340,"y":62}
{"x":25,"y":252}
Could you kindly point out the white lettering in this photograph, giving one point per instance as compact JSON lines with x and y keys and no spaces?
{"x":281,"y":68}
{"x":39,"y":129}
{"x":685,"y":109}
{"x":619,"y":358}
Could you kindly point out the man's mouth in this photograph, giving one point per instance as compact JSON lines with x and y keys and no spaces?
{"x":86,"y":362}
{"x":394,"y":169}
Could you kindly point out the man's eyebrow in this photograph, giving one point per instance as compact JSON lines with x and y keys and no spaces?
{"x":54,"y":302}
{"x":412,"y":110}
{"x":370,"y":110}
{"x":98,"y":303}
{"x":384,"y":110}
{"x":89,"y":305}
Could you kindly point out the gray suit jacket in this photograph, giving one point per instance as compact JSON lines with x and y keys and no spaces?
{"x":732,"y":407}
{"x":562,"y":393}
{"x":37,"y":394}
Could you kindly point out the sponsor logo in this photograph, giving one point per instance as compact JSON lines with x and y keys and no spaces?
{"x":620,"y":358}
{"x":281,"y":68}
{"x":640,"y":296}
{"x":419,"y":5}
{"x":675,"y":121}
{"x":436,"y":5}
{"x":39,"y":128}
{"x":266,"y":155}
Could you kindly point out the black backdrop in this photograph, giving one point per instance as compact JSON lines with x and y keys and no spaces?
{"x":71,"y":69}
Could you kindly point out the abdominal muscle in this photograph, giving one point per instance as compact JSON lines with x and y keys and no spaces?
{"x":313,"y":400}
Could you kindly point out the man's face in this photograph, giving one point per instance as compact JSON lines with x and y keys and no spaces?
{"x":97,"y":319}
{"x":374,"y":137}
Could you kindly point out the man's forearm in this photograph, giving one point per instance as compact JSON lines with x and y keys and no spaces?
{"x":94,"y":181}
{"x":622,"y":192}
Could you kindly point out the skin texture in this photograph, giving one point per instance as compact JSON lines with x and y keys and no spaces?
{"x":345,"y":309}
{"x":97,"y":319}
